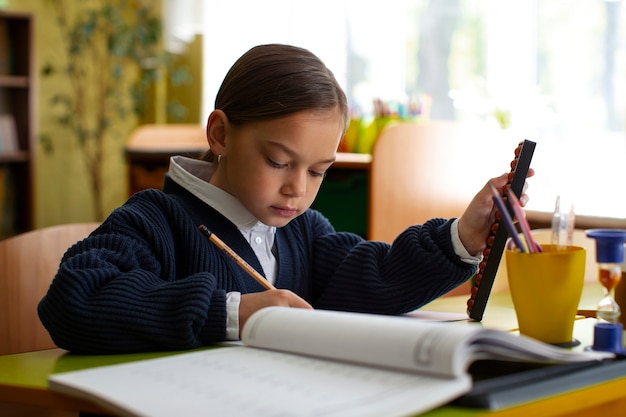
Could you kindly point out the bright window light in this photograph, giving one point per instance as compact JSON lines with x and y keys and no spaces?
{"x":550,"y":71}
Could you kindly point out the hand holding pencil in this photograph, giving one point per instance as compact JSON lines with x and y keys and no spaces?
{"x":251,"y":302}
{"x":235,"y":257}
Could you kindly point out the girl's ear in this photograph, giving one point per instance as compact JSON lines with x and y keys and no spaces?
{"x":216,"y":132}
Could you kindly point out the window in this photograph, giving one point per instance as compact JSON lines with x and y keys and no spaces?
{"x":551,"y":71}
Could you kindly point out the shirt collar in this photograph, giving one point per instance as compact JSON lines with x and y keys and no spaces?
{"x":193,"y":175}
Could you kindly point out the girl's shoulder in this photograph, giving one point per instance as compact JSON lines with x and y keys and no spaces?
{"x":146,"y":195}
{"x":148,"y":207}
{"x":152,"y":198}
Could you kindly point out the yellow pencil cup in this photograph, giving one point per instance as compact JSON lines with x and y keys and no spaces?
{"x":546,"y":289}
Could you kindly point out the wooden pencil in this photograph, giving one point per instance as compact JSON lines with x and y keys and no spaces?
{"x":235,"y":257}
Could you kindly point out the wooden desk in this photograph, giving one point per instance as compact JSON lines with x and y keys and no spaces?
{"x":499,"y":312}
{"x":150,"y":147}
{"x":23,"y":377}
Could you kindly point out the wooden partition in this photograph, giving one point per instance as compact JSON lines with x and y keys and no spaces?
{"x":422,"y":171}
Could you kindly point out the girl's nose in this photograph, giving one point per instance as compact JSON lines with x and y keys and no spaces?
{"x":296,"y":183}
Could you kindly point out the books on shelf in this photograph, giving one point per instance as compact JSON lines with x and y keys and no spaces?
{"x":7,"y":203}
{"x":8,"y":134}
{"x":313,"y":363}
{"x":5,"y":50}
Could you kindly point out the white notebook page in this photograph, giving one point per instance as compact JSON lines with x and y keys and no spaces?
{"x":242,"y":381}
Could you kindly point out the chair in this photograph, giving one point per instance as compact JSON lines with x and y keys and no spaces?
{"x":28,"y":262}
{"x":422,"y":171}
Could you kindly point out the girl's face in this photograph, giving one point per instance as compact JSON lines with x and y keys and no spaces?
{"x":275,"y":168}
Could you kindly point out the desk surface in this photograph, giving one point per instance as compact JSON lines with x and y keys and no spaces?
{"x":23,"y":377}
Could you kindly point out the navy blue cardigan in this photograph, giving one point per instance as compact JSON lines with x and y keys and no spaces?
{"x":147,"y":279}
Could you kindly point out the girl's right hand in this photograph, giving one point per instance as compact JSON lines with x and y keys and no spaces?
{"x":252,"y":302}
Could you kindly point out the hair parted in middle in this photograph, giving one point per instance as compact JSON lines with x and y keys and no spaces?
{"x":276,"y":80}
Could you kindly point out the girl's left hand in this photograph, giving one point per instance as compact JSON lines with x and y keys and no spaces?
{"x":476,"y":221}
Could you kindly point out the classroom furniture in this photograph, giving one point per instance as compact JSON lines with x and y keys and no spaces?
{"x":343,"y":196}
{"x":28,"y":262}
{"x":542,"y":219}
{"x":23,"y":376}
{"x":149,"y":148}
{"x":17,"y":108}
{"x":425,"y":170}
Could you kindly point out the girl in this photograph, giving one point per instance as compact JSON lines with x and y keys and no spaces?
{"x":148,"y":279}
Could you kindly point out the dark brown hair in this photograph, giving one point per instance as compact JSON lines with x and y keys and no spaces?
{"x":272,"y":81}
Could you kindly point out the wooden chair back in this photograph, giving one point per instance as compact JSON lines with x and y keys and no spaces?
{"x":28,"y":262}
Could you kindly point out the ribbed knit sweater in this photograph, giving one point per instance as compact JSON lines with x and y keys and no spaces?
{"x":147,"y":279}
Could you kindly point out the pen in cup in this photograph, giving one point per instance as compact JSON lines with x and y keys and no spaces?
{"x":506,"y":219}
{"x":533,"y":246}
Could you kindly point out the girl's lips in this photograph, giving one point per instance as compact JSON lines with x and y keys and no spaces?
{"x":285,"y":211}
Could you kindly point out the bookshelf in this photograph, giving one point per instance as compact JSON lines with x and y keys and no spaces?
{"x":16,"y":105}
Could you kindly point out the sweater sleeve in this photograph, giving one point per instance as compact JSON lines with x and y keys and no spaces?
{"x":366,"y":276}
{"x":133,"y":286}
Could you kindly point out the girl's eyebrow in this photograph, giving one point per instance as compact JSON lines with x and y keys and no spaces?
{"x":294,"y":154}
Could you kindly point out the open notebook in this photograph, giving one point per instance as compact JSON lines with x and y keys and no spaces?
{"x":297,"y":362}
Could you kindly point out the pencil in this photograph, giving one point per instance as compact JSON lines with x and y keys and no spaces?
{"x":238,"y":259}
{"x":533,"y":246}
{"x":506,"y":218}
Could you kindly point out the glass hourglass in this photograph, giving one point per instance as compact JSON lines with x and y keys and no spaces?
{"x":609,"y":256}
{"x":609,"y":276}
{"x":607,"y":332}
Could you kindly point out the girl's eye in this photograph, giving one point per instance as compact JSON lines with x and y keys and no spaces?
{"x":278,"y":165}
{"x":275,"y":164}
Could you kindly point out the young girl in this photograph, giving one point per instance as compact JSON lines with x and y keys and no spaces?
{"x":148,"y":279}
